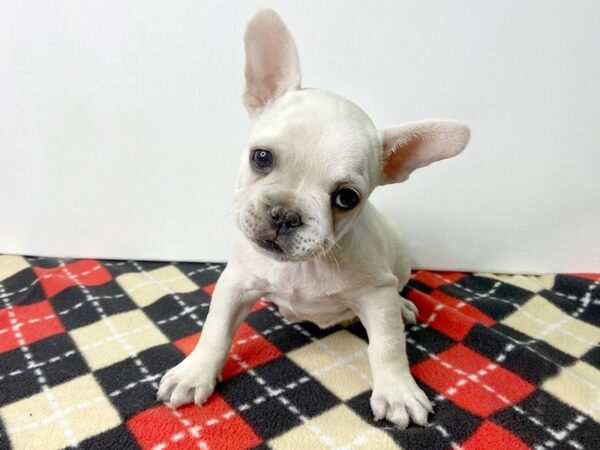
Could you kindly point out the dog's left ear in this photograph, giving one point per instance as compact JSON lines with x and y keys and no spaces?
{"x":272,"y":66}
{"x":417,"y":144}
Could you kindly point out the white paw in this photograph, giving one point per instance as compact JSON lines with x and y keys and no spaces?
{"x":409,"y":311}
{"x":187,"y":382}
{"x":400,"y":401}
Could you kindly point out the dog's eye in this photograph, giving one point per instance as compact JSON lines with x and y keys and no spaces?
{"x":345,"y":198}
{"x":262,"y":159}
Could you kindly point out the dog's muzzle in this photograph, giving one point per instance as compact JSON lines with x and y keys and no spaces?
{"x":283,"y":221}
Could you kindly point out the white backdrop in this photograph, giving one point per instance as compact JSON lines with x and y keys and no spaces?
{"x":121,"y":123}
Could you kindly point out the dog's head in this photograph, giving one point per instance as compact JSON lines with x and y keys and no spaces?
{"x":313,"y":158}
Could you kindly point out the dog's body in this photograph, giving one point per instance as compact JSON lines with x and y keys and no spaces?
{"x":312,"y":243}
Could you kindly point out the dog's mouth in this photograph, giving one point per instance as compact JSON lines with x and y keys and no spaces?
{"x":271,"y":245}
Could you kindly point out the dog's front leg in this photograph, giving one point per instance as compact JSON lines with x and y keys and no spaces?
{"x":396,"y":396}
{"x":194,"y":379}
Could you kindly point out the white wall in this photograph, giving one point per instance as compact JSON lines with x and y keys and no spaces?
{"x":121,"y":123}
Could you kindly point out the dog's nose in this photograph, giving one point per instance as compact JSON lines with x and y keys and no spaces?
{"x":284,"y":218}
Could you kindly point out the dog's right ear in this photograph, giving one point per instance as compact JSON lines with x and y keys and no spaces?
{"x":272,"y":66}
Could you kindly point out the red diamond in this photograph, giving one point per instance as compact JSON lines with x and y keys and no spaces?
{"x":465,"y":308}
{"x":33,"y":323}
{"x":440,"y":313}
{"x":87,"y":272}
{"x":493,"y":437}
{"x":440,"y":317}
{"x":187,"y":344}
{"x":589,"y":276}
{"x":472,"y":381}
{"x":213,"y":425}
{"x":209,"y":288}
{"x":249,"y":350}
{"x":435,"y":280}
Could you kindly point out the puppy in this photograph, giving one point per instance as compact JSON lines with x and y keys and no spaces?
{"x":311,"y":242}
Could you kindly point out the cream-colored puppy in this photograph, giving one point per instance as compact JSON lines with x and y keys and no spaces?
{"x":311,"y":242}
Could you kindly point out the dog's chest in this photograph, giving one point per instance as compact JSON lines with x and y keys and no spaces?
{"x":324,"y":311}
{"x":304,"y":292}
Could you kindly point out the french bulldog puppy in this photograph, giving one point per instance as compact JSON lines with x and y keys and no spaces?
{"x":310,"y":241}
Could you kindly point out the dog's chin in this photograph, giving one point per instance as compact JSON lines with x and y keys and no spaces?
{"x":277,"y":251}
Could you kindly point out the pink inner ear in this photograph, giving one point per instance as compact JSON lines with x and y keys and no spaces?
{"x":396,"y":162}
{"x":271,"y":61}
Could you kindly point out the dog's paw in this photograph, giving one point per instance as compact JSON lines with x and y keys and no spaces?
{"x":400,"y":401}
{"x":187,"y":383}
{"x":409,"y":311}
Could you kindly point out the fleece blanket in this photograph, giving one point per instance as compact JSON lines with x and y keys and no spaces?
{"x":510,"y":362}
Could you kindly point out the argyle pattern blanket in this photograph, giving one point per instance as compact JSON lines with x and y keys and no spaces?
{"x":509,"y":362}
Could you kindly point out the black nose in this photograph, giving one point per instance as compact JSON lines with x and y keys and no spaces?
{"x":283,"y":219}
